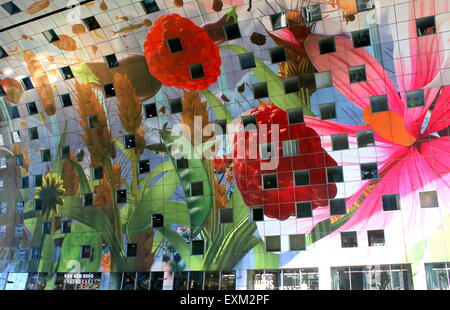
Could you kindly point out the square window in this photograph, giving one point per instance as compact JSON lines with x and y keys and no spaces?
{"x":277,"y":54}
{"x":260,"y":90}
{"x":301,"y":177}
{"x":379,"y":103}
{"x":46,"y":228}
{"x":19,"y":230}
{"x":323,"y":79}
{"x":27,"y":83}
{"x":144,"y":166}
{"x":130,"y":141}
{"x":391,"y":202}
{"x":174,"y":45}
{"x":339,"y":141}
{"x":426,"y":25}
{"x":38,"y":205}
{"x":92,"y":121}
{"x":429,"y":199}
{"x":247,"y":61}
{"x":109,"y":90}
{"x":182,"y":163}
{"x":3,"y":54}
{"x":256,"y":214}
{"x":249,"y":122}
{"x":157,"y":220}
{"x":291,"y":85}
{"x":196,"y":189}
{"x":91,"y":23}
{"x":197,"y":247}
{"x":66,"y":101}
{"x":85,"y":251}
{"x":150,"y":110}
{"x":226,"y":215}
{"x":51,"y":36}
{"x":19,"y":159}
{"x":98,"y":173}
{"x":278,"y":21}
{"x":312,"y":13}
{"x":11,"y":8}
{"x":66,"y":227}
{"x":232,"y":31}
{"x":357,"y":74}
{"x":14,"y":112}
{"x":65,"y":152}
{"x":196,"y":71}
{"x":369,"y":171}
{"x":327,"y":45}
{"x":3,"y":208}
{"x":111,"y":61}
{"x":335,"y":174}
{"x":361,"y":38}
{"x":297,"y":242}
{"x":364,"y":5}
{"x":349,"y":239}
{"x":121,"y":196}
{"x":176,"y":105}
{"x":365,"y":138}
{"x":3,"y":162}
{"x":20,"y":206}
{"x":38,"y":180}
{"x":35,"y":253}
{"x":303,"y":209}
{"x":67,"y":73}
{"x":290,"y":148}
{"x":327,"y":111}
{"x":2,"y":231}
{"x":88,"y":200}
{"x":150,"y":6}
{"x":131,"y":249}
{"x":415,"y":98}
{"x":270,"y":181}
{"x":16,"y":136}
{"x":376,"y":237}
{"x":32,"y":108}
{"x":273,"y":243}
{"x":295,"y":116}
{"x":337,"y":207}
{"x":46,"y":156}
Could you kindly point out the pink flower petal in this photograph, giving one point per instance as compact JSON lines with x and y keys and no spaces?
{"x":440,"y":117}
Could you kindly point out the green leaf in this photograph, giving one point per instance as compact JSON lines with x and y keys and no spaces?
{"x":263,"y":259}
{"x":47,"y":254}
{"x":157,"y":240}
{"x":218,"y":107}
{"x":127,"y":152}
{"x":57,"y":165}
{"x":162,"y":167}
{"x":84,"y":73}
{"x":85,"y":188}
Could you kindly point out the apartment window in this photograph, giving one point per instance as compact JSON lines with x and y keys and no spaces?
{"x":150,"y":110}
{"x":38,"y":180}
{"x":91,"y":23}
{"x":16,"y":136}
{"x":429,"y":199}
{"x":131,"y":249}
{"x":335,"y":174}
{"x":66,"y":226}
{"x":339,"y":141}
{"x":27,"y":83}
{"x":130,"y":141}
{"x":197,"y":247}
{"x":365,"y":138}
{"x":301,"y":177}
{"x":109,"y":90}
{"x":323,"y":79}
{"x":327,"y":111}
{"x":19,"y":159}
{"x":291,"y":85}
{"x":369,"y":171}
{"x":111,"y":61}
{"x":426,"y":25}
{"x":92,"y":121}
{"x":249,"y":122}
{"x":364,"y":5}
{"x":85,"y":251}
{"x":67,"y":73}
{"x":226,"y":215}
{"x":278,"y":21}
{"x":50,"y":35}
{"x":46,"y":156}
{"x":11,"y":8}
{"x":196,"y":71}
{"x":391,"y":202}
{"x":357,"y":74}
{"x":273,"y":244}
{"x":297,"y":242}
{"x":295,"y":116}
{"x":361,"y":38}
{"x":144,"y":166}
{"x":14,"y":112}
{"x":312,"y":13}
{"x":88,"y":200}
{"x":327,"y":45}
{"x":46,"y":228}
{"x":98,"y":173}
{"x":290,"y":148}
{"x":19,"y":230}
{"x":247,"y":61}
{"x":337,"y":207}
{"x":3,"y":162}
{"x":182,"y":163}
{"x":157,"y":220}
{"x":379,"y":104}
{"x":20,"y":206}
{"x":349,"y":239}
{"x":3,"y":54}
{"x":270,"y":181}
{"x":256,"y":214}
{"x":2,"y":185}
{"x":2,"y":231}
{"x":232,"y":31}
{"x":35,"y":253}
{"x":196,"y":189}
{"x":66,"y":101}
{"x":415,"y":98}
{"x":3,"y":208}
{"x":121,"y":196}
{"x":32,"y":108}
{"x":38,"y":204}
{"x":176,"y":105}
{"x":277,"y":54}
{"x":25,"y":182}
{"x":174,"y":45}
{"x":260,"y":90}
{"x":65,"y":152}
{"x":150,"y":6}
{"x":376,"y":237}
{"x":303,"y":209}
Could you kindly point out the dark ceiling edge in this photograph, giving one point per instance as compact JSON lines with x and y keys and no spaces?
{"x":45,"y":15}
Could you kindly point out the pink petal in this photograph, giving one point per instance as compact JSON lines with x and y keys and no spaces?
{"x":440,"y":117}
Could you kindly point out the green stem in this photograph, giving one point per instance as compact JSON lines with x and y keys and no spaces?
{"x":116,"y":211}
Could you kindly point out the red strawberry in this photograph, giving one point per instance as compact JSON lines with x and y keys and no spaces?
{"x":172,"y":69}
{"x":280,"y":202}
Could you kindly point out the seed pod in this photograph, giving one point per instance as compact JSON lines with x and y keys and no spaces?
{"x":258,"y":39}
{"x":178,"y":3}
{"x":217,"y":5}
